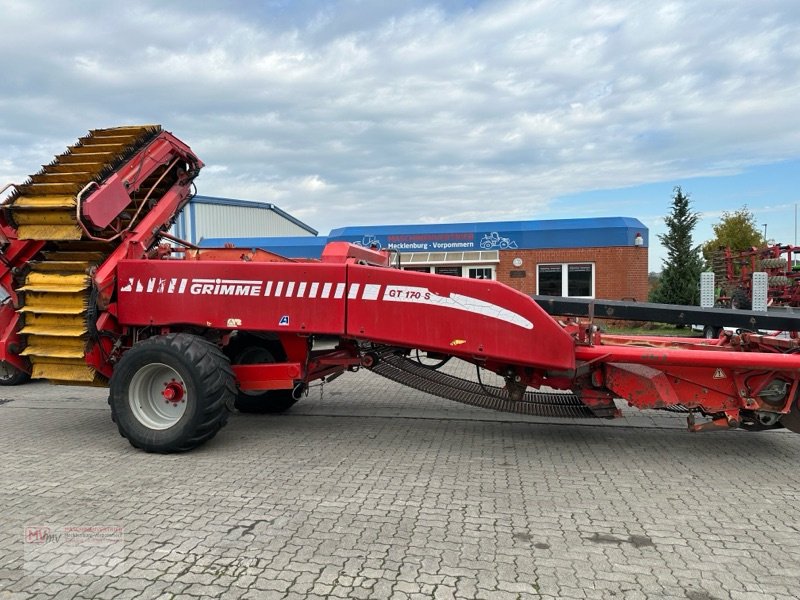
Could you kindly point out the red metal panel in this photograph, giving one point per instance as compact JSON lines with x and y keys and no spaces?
{"x":454,"y":315}
{"x":279,"y":376}
{"x":10,"y":342}
{"x":645,"y":387}
{"x":282,"y":297}
{"x":346,"y":252}
{"x":105,"y":204}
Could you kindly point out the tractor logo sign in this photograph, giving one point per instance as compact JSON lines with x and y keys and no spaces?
{"x":284,"y":321}
{"x":369,"y":241}
{"x":494,"y":240}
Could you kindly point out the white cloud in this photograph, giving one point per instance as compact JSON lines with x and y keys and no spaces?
{"x":355,"y":113}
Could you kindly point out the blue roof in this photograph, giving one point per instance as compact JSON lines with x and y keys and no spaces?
{"x":542,"y":225}
{"x":500,"y":235}
{"x":550,"y":233}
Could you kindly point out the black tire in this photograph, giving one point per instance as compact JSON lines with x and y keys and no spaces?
{"x":270,"y":402}
{"x":740,"y":300}
{"x":201,"y":377}
{"x":248,"y":351}
{"x":711,"y":333}
{"x":11,"y":375}
{"x":791,"y":420}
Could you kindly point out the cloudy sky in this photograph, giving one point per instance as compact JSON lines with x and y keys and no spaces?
{"x":370,"y":112}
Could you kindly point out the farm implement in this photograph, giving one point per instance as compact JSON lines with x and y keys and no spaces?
{"x":99,"y":293}
{"x":734,"y":271}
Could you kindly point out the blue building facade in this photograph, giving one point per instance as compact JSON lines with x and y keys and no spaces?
{"x":591,"y":257}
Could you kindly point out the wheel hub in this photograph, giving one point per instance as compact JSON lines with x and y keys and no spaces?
{"x":157,"y":396}
{"x":173,"y":391}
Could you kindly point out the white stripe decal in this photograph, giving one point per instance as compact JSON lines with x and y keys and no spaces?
{"x":278,"y":289}
{"x":421,"y":295}
{"x":151,"y":284}
{"x":289,"y":289}
{"x":371,"y":291}
{"x":312,"y":293}
{"x":182,"y":286}
{"x":339,"y":290}
{"x":301,"y":289}
{"x":353,"y":291}
{"x":326,"y":290}
{"x":172,"y":283}
{"x":268,"y":289}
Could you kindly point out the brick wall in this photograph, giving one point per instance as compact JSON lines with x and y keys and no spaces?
{"x":620,"y":272}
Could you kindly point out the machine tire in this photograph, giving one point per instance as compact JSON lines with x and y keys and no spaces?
{"x":711,"y":333}
{"x":740,"y":300}
{"x":196,"y":369}
{"x":269,"y":402}
{"x":11,"y":375}
{"x":791,"y":420}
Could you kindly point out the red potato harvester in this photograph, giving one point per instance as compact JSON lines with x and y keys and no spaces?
{"x":99,"y":293}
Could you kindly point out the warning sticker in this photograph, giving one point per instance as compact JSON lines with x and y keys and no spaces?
{"x":719,"y":374}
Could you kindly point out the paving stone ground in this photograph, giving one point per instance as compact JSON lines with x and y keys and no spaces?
{"x":371,"y":490}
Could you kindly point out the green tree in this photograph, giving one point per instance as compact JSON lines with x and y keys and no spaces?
{"x":680,"y":277}
{"x":736,"y":230}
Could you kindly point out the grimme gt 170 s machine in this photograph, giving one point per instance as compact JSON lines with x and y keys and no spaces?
{"x":99,"y":293}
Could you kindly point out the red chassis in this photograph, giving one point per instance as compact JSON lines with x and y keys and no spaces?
{"x":350,"y":294}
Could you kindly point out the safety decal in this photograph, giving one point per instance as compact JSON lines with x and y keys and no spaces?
{"x":719,"y":374}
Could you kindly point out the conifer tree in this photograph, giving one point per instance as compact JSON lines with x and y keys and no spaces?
{"x":680,"y":277}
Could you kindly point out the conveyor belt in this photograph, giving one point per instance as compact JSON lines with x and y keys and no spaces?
{"x":55,"y":294}
{"x":44,"y":207}
{"x":412,"y":374}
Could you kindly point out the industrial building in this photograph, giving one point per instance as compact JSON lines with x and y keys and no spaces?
{"x":602,"y":257}
{"x":209,"y":217}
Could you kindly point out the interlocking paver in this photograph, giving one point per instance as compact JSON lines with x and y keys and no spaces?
{"x":370,"y":490}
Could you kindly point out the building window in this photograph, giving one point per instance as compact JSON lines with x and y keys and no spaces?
{"x":471,"y":271}
{"x":580,"y":280}
{"x":550,"y":278}
{"x":566,"y":279}
{"x":479,"y":272}
{"x":454,"y":271}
